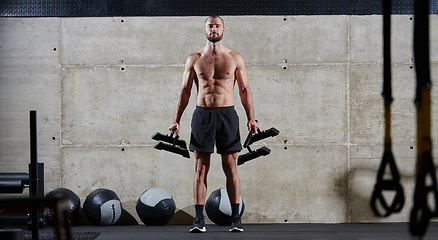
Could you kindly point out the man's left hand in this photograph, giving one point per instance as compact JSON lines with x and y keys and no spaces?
{"x":252,"y":124}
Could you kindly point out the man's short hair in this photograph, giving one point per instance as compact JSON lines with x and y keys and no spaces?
{"x":215,"y":16}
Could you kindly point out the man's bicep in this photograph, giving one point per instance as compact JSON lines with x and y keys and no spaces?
{"x":241,"y":77}
{"x":240,"y":66}
{"x":189,"y":73}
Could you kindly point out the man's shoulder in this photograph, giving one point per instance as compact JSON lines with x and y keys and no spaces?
{"x":191,"y":59}
{"x":236,"y":56}
{"x":195,"y":55}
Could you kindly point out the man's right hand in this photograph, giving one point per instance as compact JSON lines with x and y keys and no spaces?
{"x":174,"y":127}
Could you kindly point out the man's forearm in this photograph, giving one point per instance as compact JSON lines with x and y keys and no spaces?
{"x":183,"y":101}
{"x":247,"y":103}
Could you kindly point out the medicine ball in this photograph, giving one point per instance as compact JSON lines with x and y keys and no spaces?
{"x":155,"y":207}
{"x":102,"y":207}
{"x":73,"y":203}
{"x":218,"y":207}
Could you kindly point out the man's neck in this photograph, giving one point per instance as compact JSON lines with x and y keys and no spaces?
{"x":214,"y":47}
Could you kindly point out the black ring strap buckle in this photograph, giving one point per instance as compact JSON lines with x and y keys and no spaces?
{"x":387,"y":185}
{"x":421,"y":213}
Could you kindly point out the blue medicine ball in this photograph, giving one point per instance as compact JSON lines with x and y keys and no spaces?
{"x":155,"y":207}
{"x":102,"y":207}
{"x":218,"y":207}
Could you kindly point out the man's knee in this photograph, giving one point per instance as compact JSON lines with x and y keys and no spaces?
{"x":229,"y":159}
{"x":230,"y":169}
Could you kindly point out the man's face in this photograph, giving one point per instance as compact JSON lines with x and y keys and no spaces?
{"x":214,"y":29}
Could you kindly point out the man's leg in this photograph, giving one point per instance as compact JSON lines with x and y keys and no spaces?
{"x":200,"y":181}
{"x":200,"y":189}
{"x":233,"y":188}
{"x":230,"y":169}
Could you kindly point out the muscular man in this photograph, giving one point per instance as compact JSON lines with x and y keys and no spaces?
{"x":215,"y":69}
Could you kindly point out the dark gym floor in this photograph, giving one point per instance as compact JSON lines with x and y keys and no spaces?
{"x":288,"y":231}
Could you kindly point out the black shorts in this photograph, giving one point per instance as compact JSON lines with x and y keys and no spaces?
{"x":210,"y":124}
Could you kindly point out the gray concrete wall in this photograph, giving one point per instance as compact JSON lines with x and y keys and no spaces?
{"x":103,"y":86}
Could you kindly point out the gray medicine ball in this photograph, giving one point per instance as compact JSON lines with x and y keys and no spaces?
{"x":218,"y":207}
{"x":155,"y":207}
{"x":102,"y":207}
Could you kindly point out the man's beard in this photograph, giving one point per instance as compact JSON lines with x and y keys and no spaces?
{"x":215,"y":39}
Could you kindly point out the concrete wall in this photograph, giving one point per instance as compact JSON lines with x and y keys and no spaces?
{"x":103,"y":86}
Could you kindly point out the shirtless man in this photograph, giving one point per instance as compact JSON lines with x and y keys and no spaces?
{"x":215,"y":69}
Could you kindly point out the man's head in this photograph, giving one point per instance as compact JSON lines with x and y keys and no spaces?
{"x":214,"y":28}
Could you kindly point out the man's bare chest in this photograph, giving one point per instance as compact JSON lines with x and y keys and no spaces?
{"x":215,"y":67}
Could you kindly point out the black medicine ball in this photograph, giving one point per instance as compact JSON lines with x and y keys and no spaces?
{"x":73,"y":202}
{"x":102,"y":207}
{"x":155,"y":207}
{"x":218,"y":207}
